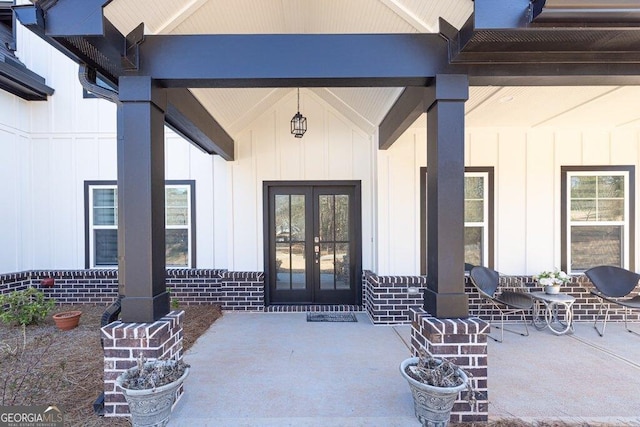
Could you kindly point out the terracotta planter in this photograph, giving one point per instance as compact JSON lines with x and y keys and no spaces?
{"x":48,"y":282}
{"x":67,"y":319}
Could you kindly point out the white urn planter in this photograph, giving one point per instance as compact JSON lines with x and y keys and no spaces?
{"x":151,"y":407}
{"x":432,"y":404}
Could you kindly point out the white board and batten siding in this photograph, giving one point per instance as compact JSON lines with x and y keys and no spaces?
{"x":333,"y":148}
{"x":527,"y":164}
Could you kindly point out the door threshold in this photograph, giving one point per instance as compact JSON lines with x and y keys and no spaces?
{"x":302,"y":308}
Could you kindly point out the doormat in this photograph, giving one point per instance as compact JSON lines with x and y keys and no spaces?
{"x":331,"y":317}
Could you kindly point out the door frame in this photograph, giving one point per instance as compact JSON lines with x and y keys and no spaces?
{"x":356,"y":185}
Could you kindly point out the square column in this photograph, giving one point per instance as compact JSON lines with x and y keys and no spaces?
{"x":463,"y":342}
{"x":125,"y":342}
{"x":141,"y":194}
{"x":445,"y":296}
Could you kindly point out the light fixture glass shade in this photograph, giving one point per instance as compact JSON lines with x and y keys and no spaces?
{"x":298,"y":125}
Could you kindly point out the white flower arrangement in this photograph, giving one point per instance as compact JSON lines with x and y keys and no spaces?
{"x":551,"y":278}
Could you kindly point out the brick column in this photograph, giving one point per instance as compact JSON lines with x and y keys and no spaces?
{"x":464,"y":342}
{"x":124,"y":342}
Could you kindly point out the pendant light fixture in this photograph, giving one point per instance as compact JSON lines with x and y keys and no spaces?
{"x":298,"y":122}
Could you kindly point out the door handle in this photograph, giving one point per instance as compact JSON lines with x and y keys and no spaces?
{"x":316,"y":250}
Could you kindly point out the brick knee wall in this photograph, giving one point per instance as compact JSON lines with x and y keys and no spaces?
{"x":234,"y":290}
{"x":387,"y":299}
{"x":125,"y":342}
{"x":464,"y":342}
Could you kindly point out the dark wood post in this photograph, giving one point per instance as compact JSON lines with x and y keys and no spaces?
{"x":445,"y":296}
{"x":141,"y":226}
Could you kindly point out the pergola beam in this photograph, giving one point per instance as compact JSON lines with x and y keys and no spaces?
{"x":271,"y":60}
{"x":188,"y":117}
{"x":407,"y":108}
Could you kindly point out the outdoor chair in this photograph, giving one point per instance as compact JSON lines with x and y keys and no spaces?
{"x":613,"y":286}
{"x":506,"y":302}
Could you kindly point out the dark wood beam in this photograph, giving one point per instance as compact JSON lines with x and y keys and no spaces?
{"x":293,"y":60}
{"x":407,"y":108}
{"x":186,"y":115}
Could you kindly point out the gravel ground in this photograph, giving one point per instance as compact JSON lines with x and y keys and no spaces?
{"x":65,"y":368}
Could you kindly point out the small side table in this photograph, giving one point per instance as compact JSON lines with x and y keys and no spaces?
{"x":547,"y":317}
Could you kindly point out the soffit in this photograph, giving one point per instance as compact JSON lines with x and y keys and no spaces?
{"x":487,"y":106}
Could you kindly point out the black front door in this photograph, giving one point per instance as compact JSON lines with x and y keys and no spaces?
{"x":313,"y":242}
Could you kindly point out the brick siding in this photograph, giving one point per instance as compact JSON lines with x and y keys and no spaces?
{"x":242,"y":291}
{"x":387,"y":299}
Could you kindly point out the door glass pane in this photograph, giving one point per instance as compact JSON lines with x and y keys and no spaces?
{"x":106,"y":246}
{"x":474,"y":187}
{"x":283,"y":266}
{"x":326,"y":205}
{"x":595,"y":245}
{"x":342,"y":217}
{"x":298,"y":266}
{"x":297,"y":218}
{"x":343,"y":276}
{"x":473,"y":245}
{"x":177,"y":244}
{"x":282,"y":218}
{"x":290,"y":260}
{"x":327,"y":266}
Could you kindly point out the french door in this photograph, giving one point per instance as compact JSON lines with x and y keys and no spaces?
{"x":313,"y":242}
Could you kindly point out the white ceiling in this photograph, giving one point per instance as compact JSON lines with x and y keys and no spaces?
{"x":487,"y":106}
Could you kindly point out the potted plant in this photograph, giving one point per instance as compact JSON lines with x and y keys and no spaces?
{"x":552,"y":280}
{"x":150,"y":389}
{"x":435,"y":385}
{"x":67,"y":320}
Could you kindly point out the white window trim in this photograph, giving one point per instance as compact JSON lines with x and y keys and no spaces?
{"x":485,"y":213}
{"x":625,"y":224}
{"x":92,"y":227}
{"x":181,"y":227}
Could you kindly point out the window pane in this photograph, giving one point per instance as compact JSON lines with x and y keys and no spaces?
{"x":105,"y":206}
{"x":177,"y":244}
{"x":595,"y":245}
{"x":610,"y":186}
{"x":106,"y":247}
{"x":105,"y":197}
{"x":177,"y":197}
{"x":177,"y":216}
{"x":611,"y":210}
{"x":282,"y":228}
{"x":583,"y":187}
{"x":473,"y":210}
{"x":473,"y":187}
{"x":583,"y":210}
{"x":473,"y":244}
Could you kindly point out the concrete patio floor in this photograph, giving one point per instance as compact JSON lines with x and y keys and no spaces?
{"x":277,"y":369}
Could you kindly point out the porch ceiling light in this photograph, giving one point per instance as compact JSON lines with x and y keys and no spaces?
{"x":298,"y":122}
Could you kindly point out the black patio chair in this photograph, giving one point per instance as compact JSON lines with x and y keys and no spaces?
{"x":506,"y":302}
{"x":613,"y":286}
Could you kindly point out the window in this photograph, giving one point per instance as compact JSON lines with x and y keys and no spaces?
{"x":101,"y":212}
{"x":478,"y":217}
{"x":597,"y":217}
